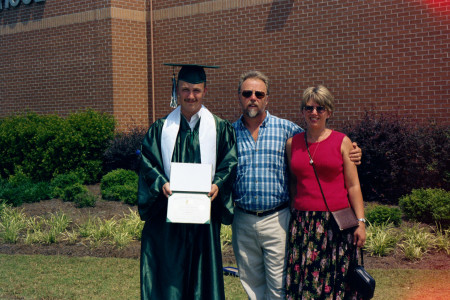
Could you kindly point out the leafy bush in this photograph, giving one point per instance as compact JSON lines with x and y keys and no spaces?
{"x":45,"y":146}
{"x":132,"y":225}
{"x":399,"y":156}
{"x":416,"y":242}
{"x":90,"y":171}
{"x":79,"y":194}
{"x":19,"y":189}
{"x":15,"y":227}
{"x":119,"y":232}
{"x":73,"y":190}
{"x":122,"y":152}
{"x":380,"y":214}
{"x":85,"y":199}
{"x":225,"y":235}
{"x":62,"y":181}
{"x":56,"y":224}
{"x":381,"y":239}
{"x":442,"y":240}
{"x":427,"y":205}
{"x":126,"y":193}
{"x":12,"y":223}
{"x":120,"y":185}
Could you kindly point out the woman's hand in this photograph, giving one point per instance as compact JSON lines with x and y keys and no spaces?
{"x":359,"y":236}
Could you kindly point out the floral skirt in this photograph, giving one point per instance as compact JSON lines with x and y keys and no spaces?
{"x":319,"y":255}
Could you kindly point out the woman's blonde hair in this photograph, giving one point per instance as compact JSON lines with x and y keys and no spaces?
{"x":319,"y":94}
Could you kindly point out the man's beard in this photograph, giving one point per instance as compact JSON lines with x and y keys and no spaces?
{"x":252,"y":113}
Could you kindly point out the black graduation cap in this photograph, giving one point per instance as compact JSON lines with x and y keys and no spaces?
{"x":190,"y":73}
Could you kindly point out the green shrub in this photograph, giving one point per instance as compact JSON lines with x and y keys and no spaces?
{"x":126,"y":193}
{"x":19,"y":189}
{"x":69,"y":187}
{"x":62,"y":181}
{"x":380,"y":214}
{"x":3,"y":205}
{"x":45,"y":146}
{"x":72,"y":191}
{"x":85,"y":199}
{"x":427,"y":205}
{"x":118,"y":177}
{"x":399,"y":156}
{"x":17,"y":134}
{"x":90,"y":171}
{"x":120,"y":185}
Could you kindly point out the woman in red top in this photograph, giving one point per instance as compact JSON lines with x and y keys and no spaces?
{"x":319,"y":253}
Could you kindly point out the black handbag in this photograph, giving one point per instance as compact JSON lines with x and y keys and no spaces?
{"x":359,"y":279}
{"x":345,"y":218}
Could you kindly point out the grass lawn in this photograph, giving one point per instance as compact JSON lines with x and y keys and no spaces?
{"x":61,"y":277}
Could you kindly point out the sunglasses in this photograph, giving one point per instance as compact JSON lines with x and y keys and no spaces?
{"x":258,"y":94}
{"x":319,"y":109}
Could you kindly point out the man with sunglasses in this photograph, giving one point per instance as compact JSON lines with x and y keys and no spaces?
{"x":260,"y":192}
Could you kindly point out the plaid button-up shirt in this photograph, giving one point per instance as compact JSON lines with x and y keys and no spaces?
{"x":261,"y":182}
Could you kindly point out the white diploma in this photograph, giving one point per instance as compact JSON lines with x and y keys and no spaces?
{"x":189,"y":208}
{"x":190,"y":184}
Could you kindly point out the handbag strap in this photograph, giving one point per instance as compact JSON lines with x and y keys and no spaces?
{"x":355,"y":255}
{"x":355,"y":258}
{"x":317,"y":176}
{"x":362,"y":255}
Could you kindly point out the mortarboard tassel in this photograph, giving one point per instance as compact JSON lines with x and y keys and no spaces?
{"x":173,"y":100}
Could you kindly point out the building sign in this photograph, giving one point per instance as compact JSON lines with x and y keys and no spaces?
{"x":7,"y":4}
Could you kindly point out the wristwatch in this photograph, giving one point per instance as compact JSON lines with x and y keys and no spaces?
{"x":362,"y":220}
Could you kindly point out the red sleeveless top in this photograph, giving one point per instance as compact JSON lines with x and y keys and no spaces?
{"x":328,"y":161}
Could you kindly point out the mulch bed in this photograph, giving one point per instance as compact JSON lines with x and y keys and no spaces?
{"x":109,"y":209}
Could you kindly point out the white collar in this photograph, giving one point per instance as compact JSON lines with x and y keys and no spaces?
{"x":193,"y":121}
{"x":207,"y":137}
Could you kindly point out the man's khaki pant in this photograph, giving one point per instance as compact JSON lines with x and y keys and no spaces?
{"x":259,"y":245}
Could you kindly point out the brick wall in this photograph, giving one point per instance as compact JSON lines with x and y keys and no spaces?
{"x":64,"y":56}
{"x":388,"y":56}
{"x":130,"y":90}
{"x":57,"y":70}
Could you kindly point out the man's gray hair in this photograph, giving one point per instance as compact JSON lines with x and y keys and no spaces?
{"x":253,"y":74}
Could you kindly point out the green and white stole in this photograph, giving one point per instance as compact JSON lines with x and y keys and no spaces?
{"x":207,"y":138}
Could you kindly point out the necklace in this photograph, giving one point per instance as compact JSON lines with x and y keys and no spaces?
{"x":311,"y":161}
{"x":311,"y":158}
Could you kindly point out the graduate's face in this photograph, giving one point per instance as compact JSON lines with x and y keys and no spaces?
{"x":190,"y":97}
{"x":255,"y":104}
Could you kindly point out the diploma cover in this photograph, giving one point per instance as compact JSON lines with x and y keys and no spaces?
{"x":190,"y":184}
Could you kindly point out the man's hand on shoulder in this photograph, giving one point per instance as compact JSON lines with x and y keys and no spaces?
{"x":356,"y":154}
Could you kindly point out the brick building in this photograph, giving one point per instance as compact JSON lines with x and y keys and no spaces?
{"x":59,"y":56}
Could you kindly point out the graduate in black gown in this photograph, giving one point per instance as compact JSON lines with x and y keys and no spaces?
{"x":184,"y":261}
